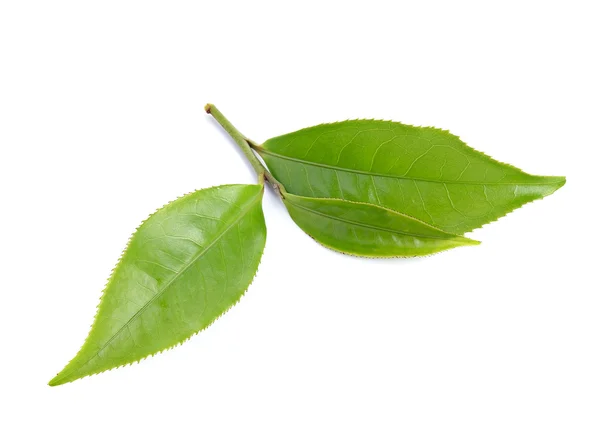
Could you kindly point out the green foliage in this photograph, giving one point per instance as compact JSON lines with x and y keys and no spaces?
{"x":186,"y":265}
{"x":368,"y":230}
{"x":423,"y":172}
{"x":363,"y":187}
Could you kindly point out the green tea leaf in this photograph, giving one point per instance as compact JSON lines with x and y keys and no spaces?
{"x":367,"y":229}
{"x":423,"y":172}
{"x":186,"y":265}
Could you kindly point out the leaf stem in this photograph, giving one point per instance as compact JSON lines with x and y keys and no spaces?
{"x":237,"y":136}
{"x":244,"y":144}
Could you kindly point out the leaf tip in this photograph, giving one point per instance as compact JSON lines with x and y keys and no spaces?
{"x":470,"y":242}
{"x":63,"y":377}
{"x":552,"y":184}
{"x":460,"y":241}
{"x":560,"y":181}
{"x":56,"y":381}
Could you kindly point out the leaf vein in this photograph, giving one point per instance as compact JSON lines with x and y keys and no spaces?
{"x":372,"y":227}
{"x":401,"y":177}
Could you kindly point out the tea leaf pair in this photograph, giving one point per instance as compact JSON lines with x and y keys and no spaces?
{"x":364,"y":187}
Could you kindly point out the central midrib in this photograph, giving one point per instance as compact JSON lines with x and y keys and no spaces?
{"x":370,"y":226}
{"x":169,"y":283}
{"x":261,"y":149}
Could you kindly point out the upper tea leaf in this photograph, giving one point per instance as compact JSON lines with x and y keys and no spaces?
{"x":185,"y":266}
{"x":368,"y":230}
{"x":423,"y":172}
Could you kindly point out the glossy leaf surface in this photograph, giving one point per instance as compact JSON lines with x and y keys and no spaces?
{"x":368,"y":230}
{"x":423,"y":172}
{"x":185,"y":266}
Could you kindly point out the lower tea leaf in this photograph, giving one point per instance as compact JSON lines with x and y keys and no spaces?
{"x":186,"y":265}
{"x":367,"y":229}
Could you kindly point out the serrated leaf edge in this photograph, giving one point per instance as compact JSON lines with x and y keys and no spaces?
{"x":445,"y":131}
{"x":112,"y":273}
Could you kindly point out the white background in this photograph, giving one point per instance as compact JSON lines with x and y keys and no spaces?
{"x":102,"y":121}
